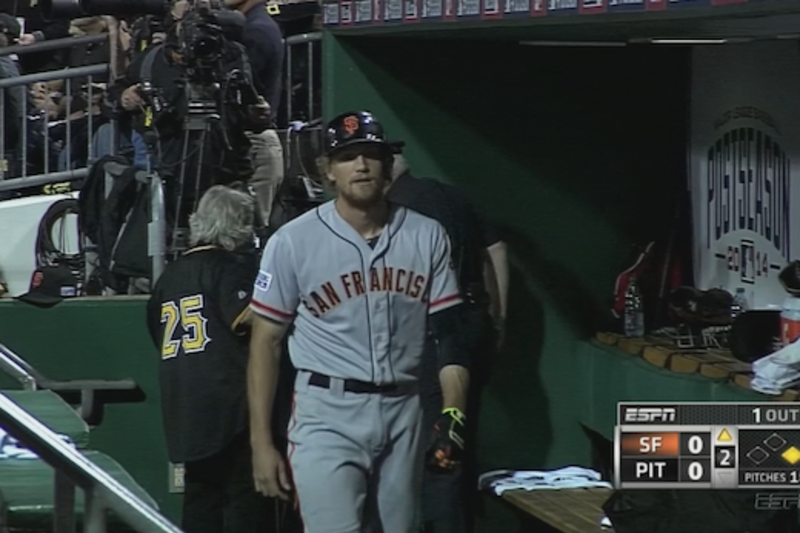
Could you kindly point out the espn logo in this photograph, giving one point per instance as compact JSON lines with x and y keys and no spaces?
{"x":649,"y":414}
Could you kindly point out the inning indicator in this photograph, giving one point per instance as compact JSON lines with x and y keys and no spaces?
{"x":708,"y":445}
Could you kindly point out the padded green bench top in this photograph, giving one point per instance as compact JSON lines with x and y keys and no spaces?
{"x":28,"y":488}
{"x":52,"y":411}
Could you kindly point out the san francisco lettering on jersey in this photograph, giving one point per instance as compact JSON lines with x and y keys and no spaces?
{"x":749,"y":185}
{"x":352,"y":285}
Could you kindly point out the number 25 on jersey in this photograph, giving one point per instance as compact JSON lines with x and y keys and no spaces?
{"x":193,"y":336}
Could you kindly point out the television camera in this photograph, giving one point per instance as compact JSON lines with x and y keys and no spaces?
{"x":203,"y":41}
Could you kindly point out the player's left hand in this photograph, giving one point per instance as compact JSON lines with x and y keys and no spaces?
{"x":447,"y":449}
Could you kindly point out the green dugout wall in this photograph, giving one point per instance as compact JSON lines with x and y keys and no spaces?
{"x":577,"y":153}
{"x":101,"y":339}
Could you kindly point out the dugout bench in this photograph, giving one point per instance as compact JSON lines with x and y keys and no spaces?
{"x":28,"y":487}
{"x":566,"y":510}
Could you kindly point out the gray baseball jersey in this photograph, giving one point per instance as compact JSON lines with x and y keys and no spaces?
{"x":359,"y":312}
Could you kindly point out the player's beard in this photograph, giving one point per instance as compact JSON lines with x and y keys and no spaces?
{"x":362,"y":202}
{"x":365,"y":201}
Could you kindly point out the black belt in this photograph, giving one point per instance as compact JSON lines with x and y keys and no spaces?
{"x":351,"y":385}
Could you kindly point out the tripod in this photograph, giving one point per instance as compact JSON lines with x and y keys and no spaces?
{"x":201,"y":117}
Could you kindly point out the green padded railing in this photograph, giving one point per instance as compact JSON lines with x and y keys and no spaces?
{"x":52,"y":411}
{"x":28,"y":489}
{"x":40,"y":493}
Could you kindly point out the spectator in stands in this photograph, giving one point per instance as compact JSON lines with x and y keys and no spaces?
{"x":263,"y":42}
{"x":14,"y":96}
{"x":37,"y":29}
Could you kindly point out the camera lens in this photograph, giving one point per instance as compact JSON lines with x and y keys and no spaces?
{"x":205,"y":46}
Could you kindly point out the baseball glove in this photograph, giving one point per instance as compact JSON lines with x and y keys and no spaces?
{"x":447,"y":449}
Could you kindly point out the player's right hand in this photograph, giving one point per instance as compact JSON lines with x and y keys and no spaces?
{"x":270,"y":473}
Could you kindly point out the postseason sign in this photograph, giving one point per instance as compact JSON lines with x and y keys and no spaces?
{"x":707,"y":446}
{"x":744,"y":157}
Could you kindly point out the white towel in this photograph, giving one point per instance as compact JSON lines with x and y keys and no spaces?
{"x":11,"y":448}
{"x":778,"y":371}
{"x":571,"y":477}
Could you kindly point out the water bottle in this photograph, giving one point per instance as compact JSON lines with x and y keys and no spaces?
{"x":634,"y":310}
{"x":739,"y":304}
{"x":790,"y":320}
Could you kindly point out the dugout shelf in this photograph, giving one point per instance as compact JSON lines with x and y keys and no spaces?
{"x":28,"y":488}
{"x":91,"y":395}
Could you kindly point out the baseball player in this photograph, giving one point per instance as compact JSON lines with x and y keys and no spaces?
{"x":360,"y":280}
{"x":198,"y":320}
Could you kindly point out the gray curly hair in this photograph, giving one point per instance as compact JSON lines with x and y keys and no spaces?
{"x":223,"y":218}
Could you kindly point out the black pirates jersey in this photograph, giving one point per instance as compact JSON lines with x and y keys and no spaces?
{"x":194,"y":316}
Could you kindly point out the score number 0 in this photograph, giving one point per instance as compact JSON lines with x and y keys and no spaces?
{"x":695,"y":447}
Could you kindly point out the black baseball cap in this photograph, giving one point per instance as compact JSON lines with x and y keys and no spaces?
{"x":9,"y":25}
{"x":355,"y":127}
{"x":50,"y":285}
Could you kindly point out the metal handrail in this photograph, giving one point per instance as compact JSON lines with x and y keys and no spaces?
{"x":303,"y":38}
{"x":43,"y":179}
{"x":55,"y":44}
{"x":64,"y":73}
{"x":101,"y":490}
{"x":14,"y":366}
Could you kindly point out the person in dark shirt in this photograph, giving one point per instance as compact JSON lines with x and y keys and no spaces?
{"x":446,"y":495}
{"x":37,"y":29}
{"x":198,"y":319}
{"x":14,"y":97}
{"x":263,"y":42}
{"x":225,"y":146}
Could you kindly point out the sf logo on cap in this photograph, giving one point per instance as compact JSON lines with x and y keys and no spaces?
{"x":351,"y":124}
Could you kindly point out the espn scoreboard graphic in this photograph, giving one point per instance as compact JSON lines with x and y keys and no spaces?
{"x":707,"y":446}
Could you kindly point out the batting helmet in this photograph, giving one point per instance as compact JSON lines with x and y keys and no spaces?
{"x":355,"y":127}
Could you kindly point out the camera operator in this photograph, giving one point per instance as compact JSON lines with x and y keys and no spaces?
{"x":263,"y":42}
{"x":167,"y":81}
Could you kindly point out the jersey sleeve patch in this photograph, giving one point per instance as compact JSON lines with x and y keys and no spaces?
{"x":263,"y":280}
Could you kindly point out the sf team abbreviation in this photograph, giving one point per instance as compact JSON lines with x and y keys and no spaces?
{"x":707,"y":445}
